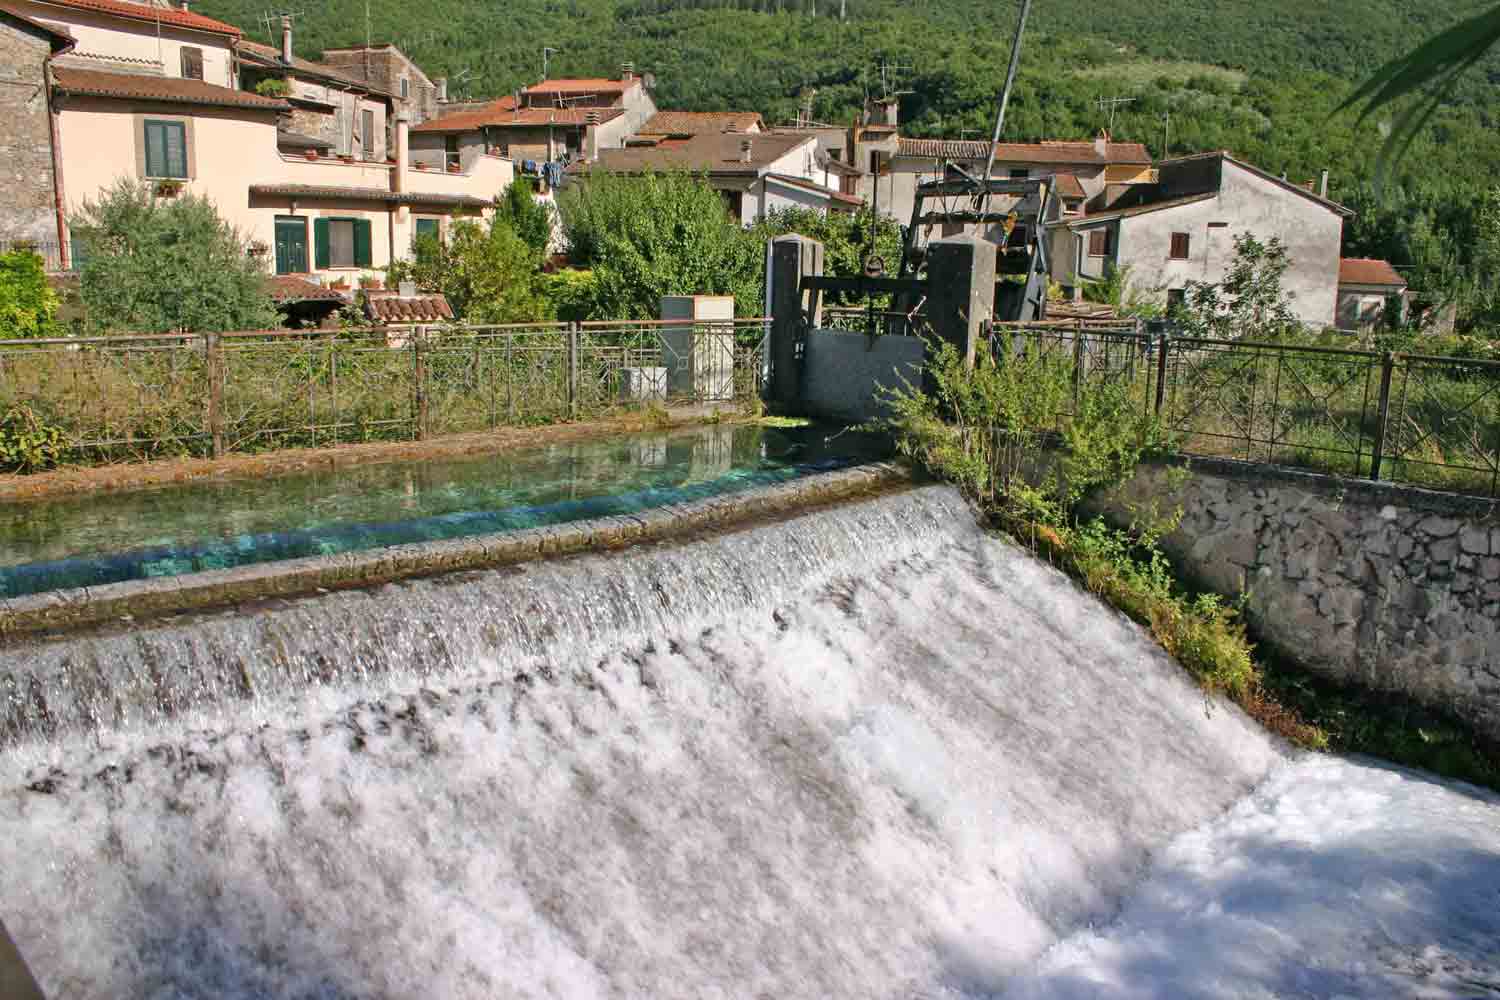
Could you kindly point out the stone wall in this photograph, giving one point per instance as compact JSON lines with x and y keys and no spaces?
{"x":1390,"y":587}
{"x":28,"y":210}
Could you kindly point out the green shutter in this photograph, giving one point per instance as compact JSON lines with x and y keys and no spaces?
{"x":156,"y":149}
{"x":361,"y":242}
{"x":320,"y":243}
{"x":176,"y":136}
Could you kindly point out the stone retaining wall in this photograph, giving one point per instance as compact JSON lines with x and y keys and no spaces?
{"x":1392,"y":587}
{"x":136,"y":599}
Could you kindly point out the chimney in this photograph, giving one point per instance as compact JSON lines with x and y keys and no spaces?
{"x":441,"y":84}
{"x":627,"y":72}
{"x":403,"y":155}
{"x":286,"y":39}
{"x":182,"y":4}
{"x":747,"y":150}
{"x":1323,"y":185}
{"x":1101,"y":144}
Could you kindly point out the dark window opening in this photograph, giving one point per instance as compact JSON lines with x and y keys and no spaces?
{"x":1019,"y":173}
{"x":367,"y":133}
{"x":1181,"y":243}
{"x":1176,"y":299}
{"x":1018,"y":237}
{"x":1101,"y":242}
{"x":192,"y":63}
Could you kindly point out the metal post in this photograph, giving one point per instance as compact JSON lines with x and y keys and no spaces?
{"x":1077,"y":364}
{"x":333,"y":384}
{"x":510,"y":377}
{"x":419,"y":380}
{"x":1383,"y":414}
{"x":1161,"y":371}
{"x":213,"y":357}
{"x":573,"y":370}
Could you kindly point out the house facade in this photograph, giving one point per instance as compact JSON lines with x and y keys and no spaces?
{"x":1181,"y":228}
{"x":151,"y":95}
{"x":1368,"y":289}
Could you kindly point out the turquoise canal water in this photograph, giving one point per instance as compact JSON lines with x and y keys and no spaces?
{"x":175,"y":530}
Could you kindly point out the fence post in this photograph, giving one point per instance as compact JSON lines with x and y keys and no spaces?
{"x":1077,"y":363}
{"x":213,"y":357}
{"x":573,"y":370}
{"x":1161,"y":371}
{"x":419,"y":379}
{"x":1382,"y":415}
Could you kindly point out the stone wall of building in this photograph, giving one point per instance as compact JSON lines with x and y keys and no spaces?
{"x":28,"y":210}
{"x":1389,"y":587}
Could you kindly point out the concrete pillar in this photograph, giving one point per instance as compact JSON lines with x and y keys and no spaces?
{"x":403,"y":151}
{"x":788,"y":259}
{"x":961,"y":290}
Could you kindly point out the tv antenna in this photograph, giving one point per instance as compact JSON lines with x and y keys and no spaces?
{"x":1112,"y":104}
{"x":1166,"y":134}
{"x":547,"y":53}
{"x":271,"y":20}
{"x":464,"y":75}
{"x":888,"y":74}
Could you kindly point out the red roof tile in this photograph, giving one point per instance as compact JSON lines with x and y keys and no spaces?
{"x":392,"y":307}
{"x":145,"y":12}
{"x":700,"y":122}
{"x":1047,"y":151}
{"x":265,"y":55}
{"x":97,"y":83}
{"x":715,"y":153}
{"x":286,"y":288}
{"x":504,"y":114}
{"x":1365,"y":271}
{"x":583,"y":85}
{"x":1069,"y":187}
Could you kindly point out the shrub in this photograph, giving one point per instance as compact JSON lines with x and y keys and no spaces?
{"x":28,"y":305}
{"x":27,"y":443}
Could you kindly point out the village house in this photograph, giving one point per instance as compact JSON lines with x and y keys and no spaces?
{"x":755,"y":173}
{"x":552,"y":122}
{"x":389,"y":71}
{"x":1368,"y":290}
{"x":1181,"y":228}
{"x":319,"y":182}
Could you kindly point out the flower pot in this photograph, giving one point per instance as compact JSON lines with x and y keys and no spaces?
{"x":311,"y":154}
{"x":346,"y":159}
{"x":454,"y":168}
{"x":371,"y":284}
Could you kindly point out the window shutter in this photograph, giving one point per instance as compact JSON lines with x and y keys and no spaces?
{"x":1180,"y":246}
{"x":192,"y":63}
{"x":176,"y":136}
{"x":320,"y":243}
{"x":361,"y":242}
{"x":1098,"y":241}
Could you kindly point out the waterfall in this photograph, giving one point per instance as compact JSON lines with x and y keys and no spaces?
{"x":870,"y":751}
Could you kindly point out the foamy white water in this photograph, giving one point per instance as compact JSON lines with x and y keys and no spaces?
{"x":870,"y":752}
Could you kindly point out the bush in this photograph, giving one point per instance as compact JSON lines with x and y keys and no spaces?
{"x":28,"y":305}
{"x":488,"y":273}
{"x":166,"y":266}
{"x":27,"y":443}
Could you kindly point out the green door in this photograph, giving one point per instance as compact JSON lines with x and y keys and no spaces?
{"x":291,"y":245}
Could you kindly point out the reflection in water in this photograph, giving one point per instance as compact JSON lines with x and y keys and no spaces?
{"x":185,"y":529}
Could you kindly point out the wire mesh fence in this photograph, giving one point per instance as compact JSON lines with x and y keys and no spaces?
{"x":136,"y":398}
{"x":1428,"y":421}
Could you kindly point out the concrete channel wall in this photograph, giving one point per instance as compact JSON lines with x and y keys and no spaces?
{"x":844,"y":373}
{"x":1390,"y":587}
{"x":61,"y":610}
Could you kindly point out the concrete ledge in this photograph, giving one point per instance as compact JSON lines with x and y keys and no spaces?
{"x":69,"y":609}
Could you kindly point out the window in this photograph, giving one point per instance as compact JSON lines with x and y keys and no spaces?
{"x":1019,"y":173}
{"x":342,"y":242}
{"x":429,"y":228}
{"x":1176,"y":299}
{"x":367,"y":132}
{"x":405,"y":88}
{"x":192,"y":63}
{"x":1101,"y":242}
{"x":166,"y":149}
{"x":1180,"y":245}
{"x":450,"y":151}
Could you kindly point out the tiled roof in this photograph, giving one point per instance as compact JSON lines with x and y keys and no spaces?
{"x":504,"y":114}
{"x":1365,"y":271}
{"x":265,"y":55}
{"x":839,"y":167}
{"x":368,"y":194}
{"x":61,"y":37}
{"x":816,"y":188}
{"x":583,"y":85}
{"x":1166,"y":165}
{"x":1134,"y":210}
{"x":98,"y":83}
{"x":718,"y":153}
{"x":1047,"y":151}
{"x":393,"y":307}
{"x":145,"y":12}
{"x":285,"y":289}
{"x":1069,"y":187}
{"x":700,"y":122}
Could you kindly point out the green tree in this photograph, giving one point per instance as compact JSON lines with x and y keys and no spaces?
{"x":28,"y":305}
{"x":154,"y":265}
{"x":655,"y":235}
{"x":488,"y":273}
{"x":528,"y":218}
{"x":846,"y":237}
{"x":1249,"y":304}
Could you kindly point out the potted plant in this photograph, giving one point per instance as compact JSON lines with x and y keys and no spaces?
{"x":454,"y":168}
{"x":347,"y":157}
{"x":168,"y":188}
{"x":257,"y":248}
{"x":339,"y":284}
{"x":370,"y":283}
{"x":311,"y":154}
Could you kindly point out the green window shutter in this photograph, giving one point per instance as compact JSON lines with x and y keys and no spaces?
{"x":176,"y":136}
{"x":156,"y":149}
{"x":361,"y":242}
{"x":320,"y":243}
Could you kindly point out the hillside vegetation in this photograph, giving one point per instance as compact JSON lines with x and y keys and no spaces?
{"x":1259,"y":77}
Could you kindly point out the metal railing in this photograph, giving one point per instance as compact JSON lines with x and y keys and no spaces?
{"x":53,"y":253}
{"x":1410,"y":418}
{"x":874,"y":322}
{"x":138,"y":397}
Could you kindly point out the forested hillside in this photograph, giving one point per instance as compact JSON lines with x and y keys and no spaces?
{"x":1259,"y":77}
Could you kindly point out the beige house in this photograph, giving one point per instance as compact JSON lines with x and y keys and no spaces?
{"x":149,"y":94}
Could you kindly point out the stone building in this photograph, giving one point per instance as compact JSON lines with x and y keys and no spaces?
{"x":28,"y":212}
{"x":390,"y":71}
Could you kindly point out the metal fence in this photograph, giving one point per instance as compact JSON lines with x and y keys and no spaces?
{"x":1429,"y":421}
{"x":56,"y":256}
{"x":136,"y":397}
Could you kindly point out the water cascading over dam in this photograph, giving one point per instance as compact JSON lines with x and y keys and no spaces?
{"x":869,"y":751}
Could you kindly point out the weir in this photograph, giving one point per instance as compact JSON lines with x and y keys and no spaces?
{"x":869,"y":751}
